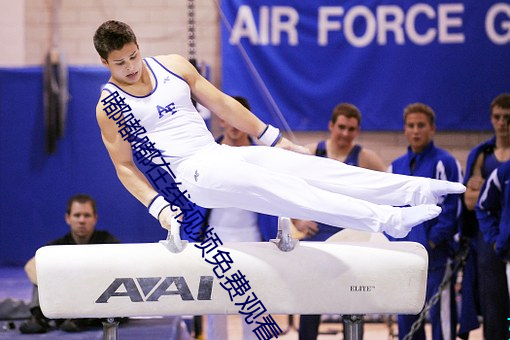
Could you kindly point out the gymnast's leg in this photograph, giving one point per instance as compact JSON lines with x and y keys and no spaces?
{"x":218,"y":181}
{"x":331,"y":175}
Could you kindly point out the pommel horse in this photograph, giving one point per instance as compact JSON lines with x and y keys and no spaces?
{"x":352,"y":276}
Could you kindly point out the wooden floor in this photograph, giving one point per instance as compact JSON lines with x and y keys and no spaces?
{"x":161,"y":329}
{"x":372,"y":331}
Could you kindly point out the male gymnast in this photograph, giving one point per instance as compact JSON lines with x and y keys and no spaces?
{"x":280,"y":181}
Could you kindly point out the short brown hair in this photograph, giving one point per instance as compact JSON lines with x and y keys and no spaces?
{"x":112,"y":35}
{"x":81,"y":198}
{"x":348,"y":110}
{"x":420,"y":108}
{"x":503,"y":101}
{"x":244,"y":102}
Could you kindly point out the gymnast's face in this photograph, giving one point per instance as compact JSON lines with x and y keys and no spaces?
{"x":233,"y":136}
{"x":500,"y":118}
{"x":344,"y":130}
{"x":125,"y":64}
{"x":82,"y":221}
{"x":419,"y":131}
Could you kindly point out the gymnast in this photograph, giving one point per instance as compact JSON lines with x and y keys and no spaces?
{"x":277,"y":178}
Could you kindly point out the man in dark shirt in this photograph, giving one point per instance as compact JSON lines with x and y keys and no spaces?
{"x":81,"y":216}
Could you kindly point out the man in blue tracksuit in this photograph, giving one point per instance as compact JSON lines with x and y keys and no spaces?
{"x":493,"y":215}
{"x":484,"y":278}
{"x":424,"y":159}
{"x":469,"y":230}
{"x":493,"y":212}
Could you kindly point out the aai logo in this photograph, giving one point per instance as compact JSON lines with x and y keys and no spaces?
{"x":152,"y":288}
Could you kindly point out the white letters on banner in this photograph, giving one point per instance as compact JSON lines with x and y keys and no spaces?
{"x":274,"y":21}
{"x":278,"y":25}
{"x":490,"y":29}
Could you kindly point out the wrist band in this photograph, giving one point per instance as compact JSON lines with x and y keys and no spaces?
{"x":157,"y":205}
{"x":270,"y":136}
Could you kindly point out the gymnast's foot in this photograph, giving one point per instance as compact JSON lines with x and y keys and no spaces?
{"x":437,"y":190}
{"x":442,"y":188}
{"x":412,"y":216}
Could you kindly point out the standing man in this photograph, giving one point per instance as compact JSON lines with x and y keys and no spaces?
{"x":344,"y":127}
{"x":236,"y":225}
{"x":493,"y":209}
{"x":493,"y":212}
{"x":483,"y":268}
{"x":424,"y":159}
{"x":81,"y":217}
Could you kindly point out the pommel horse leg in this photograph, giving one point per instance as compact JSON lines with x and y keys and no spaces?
{"x":353,"y":323}
{"x":110,"y":329}
{"x":353,"y":327}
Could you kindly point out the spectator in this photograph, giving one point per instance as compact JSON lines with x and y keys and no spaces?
{"x":424,"y":159}
{"x":81,"y":217}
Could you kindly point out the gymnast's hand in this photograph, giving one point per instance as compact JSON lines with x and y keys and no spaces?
{"x":168,"y":219}
{"x":475,"y":183}
{"x":286,"y":144}
{"x":308,"y":228}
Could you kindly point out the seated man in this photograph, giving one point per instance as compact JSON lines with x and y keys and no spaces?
{"x":81,"y":216}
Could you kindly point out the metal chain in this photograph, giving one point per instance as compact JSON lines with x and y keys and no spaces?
{"x":191,"y":30}
{"x":459,"y":265}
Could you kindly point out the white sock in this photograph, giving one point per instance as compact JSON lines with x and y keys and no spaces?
{"x":442,"y":188}
{"x":412,"y":216}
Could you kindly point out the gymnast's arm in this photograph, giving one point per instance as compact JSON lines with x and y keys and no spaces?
{"x":488,"y":209}
{"x":122,"y":158}
{"x":224,"y":106}
{"x":368,"y":159}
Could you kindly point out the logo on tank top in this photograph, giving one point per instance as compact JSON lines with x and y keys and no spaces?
{"x":164,"y":110}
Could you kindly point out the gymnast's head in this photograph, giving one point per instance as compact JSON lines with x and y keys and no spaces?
{"x":112,"y":36}
{"x":116,"y":44}
{"x":347,"y":110}
{"x":344,"y":125}
{"x":500,"y":115}
{"x":81,"y":217}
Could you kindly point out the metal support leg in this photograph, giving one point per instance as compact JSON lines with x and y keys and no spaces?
{"x":290,"y":325}
{"x":353,"y":327}
{"x":110,"y":329}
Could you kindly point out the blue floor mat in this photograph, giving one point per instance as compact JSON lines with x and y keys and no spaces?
{"x":134,"y":329}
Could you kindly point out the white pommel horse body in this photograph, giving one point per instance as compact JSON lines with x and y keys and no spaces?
{"x":352,"y":277}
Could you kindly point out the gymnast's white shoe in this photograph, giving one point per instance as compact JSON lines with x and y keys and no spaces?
{"x":434,"y":191}
{"x":412,"y":216}
{"x":442,"y":188}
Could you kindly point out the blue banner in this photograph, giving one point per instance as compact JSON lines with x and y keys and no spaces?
{"x":297,"y":59}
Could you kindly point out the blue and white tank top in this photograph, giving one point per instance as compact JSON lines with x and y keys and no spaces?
{"x":168,"y":115}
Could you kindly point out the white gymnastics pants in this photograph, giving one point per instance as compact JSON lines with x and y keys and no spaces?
{"x":278,"y":182}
